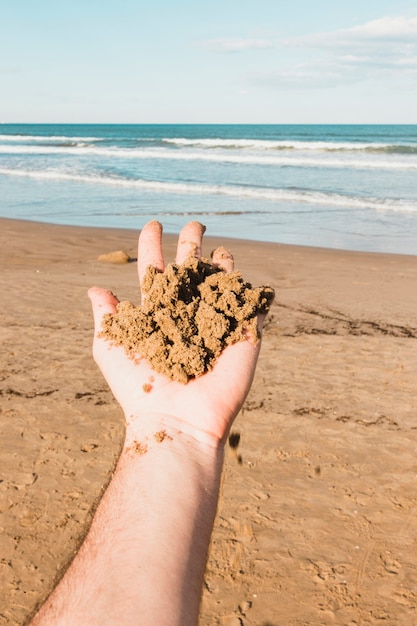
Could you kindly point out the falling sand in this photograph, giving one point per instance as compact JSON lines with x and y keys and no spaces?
{"x":191,"y":312}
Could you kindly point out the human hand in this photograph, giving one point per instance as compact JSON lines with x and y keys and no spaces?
{"x":206,"y":406}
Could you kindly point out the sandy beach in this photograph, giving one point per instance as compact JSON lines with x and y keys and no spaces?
{"x":317,"y":521}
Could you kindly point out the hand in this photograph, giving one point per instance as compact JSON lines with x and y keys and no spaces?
{"x":206,"y":406}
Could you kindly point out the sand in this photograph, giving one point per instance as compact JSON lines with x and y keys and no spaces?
{"x":317,"y":520}
{"x":191,"y":313}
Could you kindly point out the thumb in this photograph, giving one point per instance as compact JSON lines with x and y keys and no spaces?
{"x":102,"y":301}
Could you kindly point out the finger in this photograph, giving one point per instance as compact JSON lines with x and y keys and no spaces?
{"x":223,"y":259}
{"x":102,"y":301}
{"x":150,"y":249}
{"x":189,"y":242}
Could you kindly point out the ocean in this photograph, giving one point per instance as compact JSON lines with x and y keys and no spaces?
{"x":335,"y":186}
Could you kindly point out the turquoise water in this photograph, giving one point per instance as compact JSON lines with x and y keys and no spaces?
{"x":350,"y":187}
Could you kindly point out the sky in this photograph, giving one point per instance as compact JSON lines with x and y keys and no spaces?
{"x":218,"y":61}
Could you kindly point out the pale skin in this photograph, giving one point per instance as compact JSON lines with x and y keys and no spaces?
{"x":143,"y":560}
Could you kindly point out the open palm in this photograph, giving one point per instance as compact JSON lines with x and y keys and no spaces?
{"x":207,"y":404}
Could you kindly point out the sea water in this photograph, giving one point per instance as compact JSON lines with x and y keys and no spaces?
{"x":337,"y":186}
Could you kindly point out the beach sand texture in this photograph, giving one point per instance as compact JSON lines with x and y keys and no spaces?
{"x":317,"y":521}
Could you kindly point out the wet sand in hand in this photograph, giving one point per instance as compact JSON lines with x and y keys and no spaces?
{"x":317,"y":517}
{"x":191,"y":313}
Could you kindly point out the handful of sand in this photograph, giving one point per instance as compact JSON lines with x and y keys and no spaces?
{"x":190,"y":314}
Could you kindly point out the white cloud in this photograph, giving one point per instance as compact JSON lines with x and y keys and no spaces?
{"x":236,"y":45}
{"x":384,"y":49}
{"x":398,"y":27}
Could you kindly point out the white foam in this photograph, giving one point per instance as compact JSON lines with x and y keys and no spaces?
{"x":283,"y":144}
{"x":326,"y":160}
{"x":268,"y":194}
{"x":260,"y":145}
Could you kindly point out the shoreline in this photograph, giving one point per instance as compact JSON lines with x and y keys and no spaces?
{"x":239,"y":240}
{"x":316,"y":524}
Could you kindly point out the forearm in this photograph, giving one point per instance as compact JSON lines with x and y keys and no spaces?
{"x":144,"y":558}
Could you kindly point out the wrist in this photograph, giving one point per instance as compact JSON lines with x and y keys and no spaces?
{"x":151,"y":430}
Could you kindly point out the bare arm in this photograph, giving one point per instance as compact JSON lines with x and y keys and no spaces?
{"x":144,"y":557}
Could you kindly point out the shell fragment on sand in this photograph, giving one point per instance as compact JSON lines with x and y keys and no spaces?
{"x":119,"y":256}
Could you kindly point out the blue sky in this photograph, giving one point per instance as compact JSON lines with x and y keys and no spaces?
{"x":229,"y":61}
